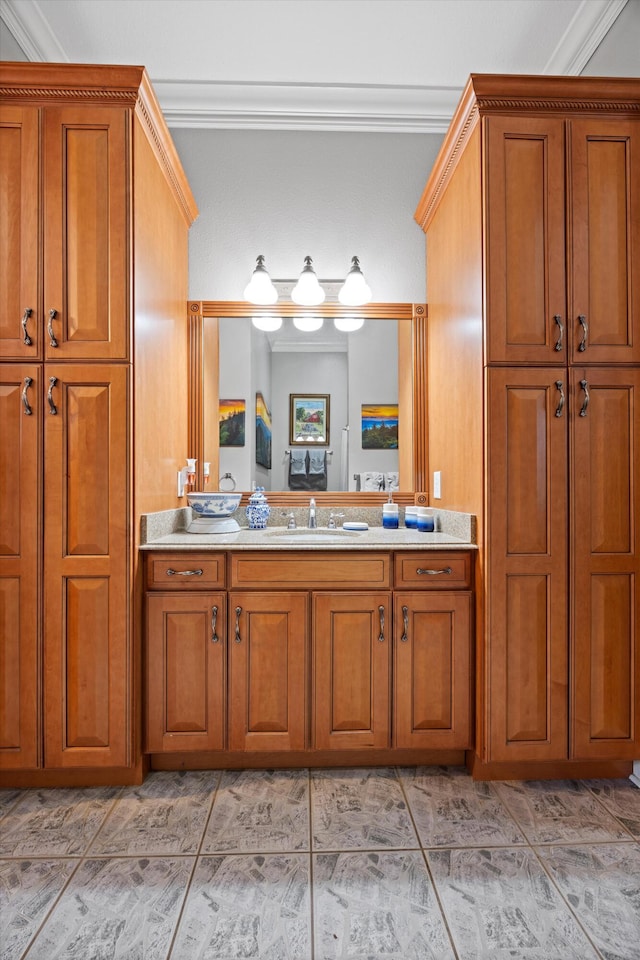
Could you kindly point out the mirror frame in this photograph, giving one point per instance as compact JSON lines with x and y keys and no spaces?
{"x":412,"y":355}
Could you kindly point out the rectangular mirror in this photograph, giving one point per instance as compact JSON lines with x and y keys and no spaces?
{"x":359,"y":398}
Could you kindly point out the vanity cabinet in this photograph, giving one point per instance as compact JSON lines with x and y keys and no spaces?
{"x":532,"y":214}
{"x":95,"y":264}
{"x":315,"y":663}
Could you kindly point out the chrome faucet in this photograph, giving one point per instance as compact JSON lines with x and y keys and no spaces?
{"x":312,"y":514}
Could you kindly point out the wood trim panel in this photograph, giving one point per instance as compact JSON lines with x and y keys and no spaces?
{"x":293,"y":569}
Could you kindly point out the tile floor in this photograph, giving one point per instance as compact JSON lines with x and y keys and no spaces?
{"x":400,"y":864}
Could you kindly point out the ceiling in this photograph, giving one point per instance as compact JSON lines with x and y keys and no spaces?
{"x":370,"y":65}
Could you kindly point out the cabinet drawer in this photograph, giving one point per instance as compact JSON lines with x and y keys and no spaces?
{"x":319,"y":571}
{"x":433,"y":571}
{"x":186,"y":571}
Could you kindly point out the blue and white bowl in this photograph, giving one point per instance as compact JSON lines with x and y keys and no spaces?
{"x":213,"y":505}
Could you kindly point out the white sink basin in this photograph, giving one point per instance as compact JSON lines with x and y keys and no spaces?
{"x":304,"y":535}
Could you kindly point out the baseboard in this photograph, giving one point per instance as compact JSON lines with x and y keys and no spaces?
{"x":547,"y":769}
{"x":227,"y":760}
{"x":80,"y":777}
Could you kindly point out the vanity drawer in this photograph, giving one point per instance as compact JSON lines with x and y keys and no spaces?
{"x":317,"y":571}
{"x":187,"y":571}
{"x":433,"y":571}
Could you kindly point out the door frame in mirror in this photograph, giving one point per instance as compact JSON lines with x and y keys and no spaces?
{"x":412,"y":355}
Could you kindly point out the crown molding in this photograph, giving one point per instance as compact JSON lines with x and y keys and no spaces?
{"x":589,"y":26}
{"x":297,"y":106}
{"x":294,"y":106}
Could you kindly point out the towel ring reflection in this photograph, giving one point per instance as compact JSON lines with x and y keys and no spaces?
{"x":227,"y":489}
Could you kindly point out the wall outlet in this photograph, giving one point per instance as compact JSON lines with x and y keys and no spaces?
{"x":437,"y":492}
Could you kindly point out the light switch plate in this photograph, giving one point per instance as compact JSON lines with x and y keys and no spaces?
{"x":437,"y":493}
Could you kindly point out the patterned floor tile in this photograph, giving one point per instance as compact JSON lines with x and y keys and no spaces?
{"x":165,"y":816}
{"x":500,"y":903}
{"x":622,"y":799}
{"x":8,"y":798}
{"x":28,"y":890}
{"x":359,"y":809}
{"x":116,"y":909}
{"x":602,"y":884}
{"x":243,"y":906}
{"x":452,"y":810}
{"x":260,"y":810}
{"x":55,"y":823}
{"x":559,"y":811}
{"x":376,"y":904}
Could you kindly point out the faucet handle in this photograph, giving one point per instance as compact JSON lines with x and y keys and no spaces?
{"x":291,"y":523}
{"x":332,"y":520}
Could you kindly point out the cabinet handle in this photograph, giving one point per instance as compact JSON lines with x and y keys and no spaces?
{"x":27,"y":408}
{"x":52,"y":407}
{"x":214,"y":621}
{"x":183,"y":573}
{"x":559,"y":344}
{"x":52,"y":340}
{"x":237,"y":637}
{"x":26,"y":339}
{"x":381,"y":615}
{"x":405,"y":620}
{"x":560,"y":407}
{"x":585,"y":403}
{"x":434,"y":573}
{"x":582,"y":320}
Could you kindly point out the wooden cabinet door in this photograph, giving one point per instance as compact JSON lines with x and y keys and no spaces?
{"x":20,"y":287}
{"x":432,"y":681}
{"x":86,"y":234}
{"x":351,"y":670}
{"x":20,"y":579}
{"x":185,"y":671}
{"x":86,"y":563}
{"x":605,"y":566}
{"x":605,"y":232}
{"x":525,"y":241}
{"x":268,"y":634}
{"x":526,"y":625}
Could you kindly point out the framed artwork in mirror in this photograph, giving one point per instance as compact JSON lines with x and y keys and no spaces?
{"x":309,"y":418}
{"x":379,"y":426}
{"x":263,"y":433}
{"x":231,"y":422}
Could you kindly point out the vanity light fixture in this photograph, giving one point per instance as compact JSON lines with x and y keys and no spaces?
{"x":266,"y":323}
{"x":307,"y":291}
{"x":308,"y":324}
{"x":348,"y":324}
{"x":260,"y":289}
{"x":355,"y":290}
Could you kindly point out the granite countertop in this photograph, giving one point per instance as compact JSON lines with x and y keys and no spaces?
{"x":167,"y":531}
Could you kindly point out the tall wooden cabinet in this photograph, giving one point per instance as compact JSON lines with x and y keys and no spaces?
{"x":532,"y":217}
{"x":93,"y":353}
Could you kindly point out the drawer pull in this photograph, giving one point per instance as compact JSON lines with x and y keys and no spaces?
{"x":27,"y":406}
{"x":214,"y":621}
{"x":434,"y":573}
{"x":52,"y":338}
{"x":237,"y":637}
{"x":584,"y":386}
{"x":381,"y":615}
{"x":184,"y":573}
{"x":558,"y":344}
{"x":582,"y":320}
{"x":560,"y":389}
{"x":26,"y":339}
{"x":53,"y":410}
{"x":405,"y":620}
